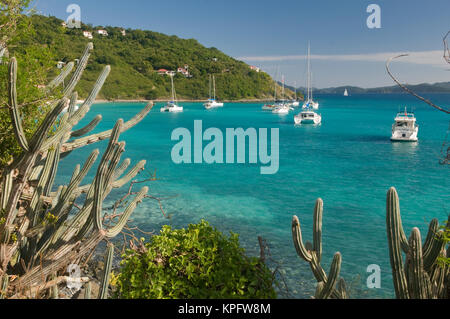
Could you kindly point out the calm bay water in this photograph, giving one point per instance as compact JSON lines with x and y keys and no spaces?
{"x":348,"y":161}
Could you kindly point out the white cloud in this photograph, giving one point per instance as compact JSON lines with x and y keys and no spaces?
{"x":433,"y":57}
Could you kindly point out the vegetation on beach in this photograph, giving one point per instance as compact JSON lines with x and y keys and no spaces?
{"x":136,"y":57}
{"x":197,"y":262}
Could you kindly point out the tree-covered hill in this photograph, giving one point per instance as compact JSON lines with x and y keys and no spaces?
{"x":136,"y":56}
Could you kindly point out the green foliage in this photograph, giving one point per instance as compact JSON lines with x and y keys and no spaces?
{"x":35,"y":64}
{"x":137,"y":56}
{"x":197,"y":262}
{"x":445,"y":261}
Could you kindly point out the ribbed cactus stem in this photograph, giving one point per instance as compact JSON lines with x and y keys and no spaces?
{"x":417,"y":282}
{"x":13,"y":106}
{"x":395,"y":236}
{"x":88,"y":128}
{"x":107,"y":271}
{"x":298,"y":242}
{"x":61,"y":76}
{"x":114,"y":231}
{"x":333,"y":276}
{"x":317,"y":228}
{"x":79,"y":70}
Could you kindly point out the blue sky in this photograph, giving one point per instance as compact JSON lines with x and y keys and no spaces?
{"x":274,"y":34}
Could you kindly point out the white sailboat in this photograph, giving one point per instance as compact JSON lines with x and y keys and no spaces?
{"x":212,"y":103}
{"x":309,"y":102}
{"x":295,"y":102}
{"x":172,"y":106}
{"x":272,"y":106}
{"x":345,"y":92}
{"x":282,"y":107}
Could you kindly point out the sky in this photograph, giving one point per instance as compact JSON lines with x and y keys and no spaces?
{"x":274,"y":35}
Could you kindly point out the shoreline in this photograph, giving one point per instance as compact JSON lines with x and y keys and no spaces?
{"x":181,"y":100}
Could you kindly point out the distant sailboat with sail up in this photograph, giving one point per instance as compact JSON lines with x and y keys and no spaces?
{"x":345,"y":92}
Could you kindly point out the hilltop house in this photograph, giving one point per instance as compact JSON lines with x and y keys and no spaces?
{"x":88,"y":34}
{"x":254,"y":68}
{"x":124,"y":33}
{"x":183,"y":71}
{"x":163,"y":72}
{"x":103,"y":32}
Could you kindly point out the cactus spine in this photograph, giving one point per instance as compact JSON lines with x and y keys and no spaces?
{"x":42,"y":229}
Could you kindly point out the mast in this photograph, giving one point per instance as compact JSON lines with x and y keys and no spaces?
{"x":210,"y":86}
{"x":295,"y":90}
{"x":282,"y":92}
{"x":309,"y":73}
{"x":214,"y":86}
{"x":174,"y":97}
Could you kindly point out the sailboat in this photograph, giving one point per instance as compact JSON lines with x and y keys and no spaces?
{"x":271,"y":106}
{"x":283,"y":107}
{"x":172,"y":106}
{"x":295,"y":102}
{"x":212,"y":103}
{"x":345,"y":92}
{"x":310,"y":103}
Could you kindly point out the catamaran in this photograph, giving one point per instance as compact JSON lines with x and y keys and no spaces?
{"x":308,"y":116}
{"x":172,"y":106}
{"x":405,"y":128}
{"x":212,"y":103}
{"x":309,"y":102}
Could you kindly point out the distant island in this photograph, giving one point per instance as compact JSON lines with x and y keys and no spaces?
{"x":440,"y":87}
{"x":143,"y":61}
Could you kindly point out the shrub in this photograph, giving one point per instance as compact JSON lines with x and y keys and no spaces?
{"x":197,"y":262}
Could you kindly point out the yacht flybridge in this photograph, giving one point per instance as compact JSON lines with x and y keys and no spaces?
{"x":212,"y":103}
{"x":309,"y":102}
{"x":172,"y":106}
{"x":405,"y":128}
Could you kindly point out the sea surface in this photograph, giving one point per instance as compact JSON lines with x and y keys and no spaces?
{"x":348,"y":161}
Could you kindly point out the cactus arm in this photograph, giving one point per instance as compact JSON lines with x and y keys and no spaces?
{"x":14,"y":108}
{"x":44,"y":128}
{"x":395,"y":233}
{"x":130,"y":175}
{"x":333,"y":276}
{"x":88,"y":128}
{"x":435,"y":247}
{"x":73,"y":103}
{"x":107,"y":271}
{"x":317,"y":228}
{"x":298,"y":243}
{"x":417,"y":282}
{"x":78,"y":143}
{"x":79,"y":70}
{"x":116,"y":229}
{"x":61,"y":76}
{"x":121,"y":169}
{"x":7,"y":181}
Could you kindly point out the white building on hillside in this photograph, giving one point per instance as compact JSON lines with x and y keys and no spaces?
{"x":88,"y":34}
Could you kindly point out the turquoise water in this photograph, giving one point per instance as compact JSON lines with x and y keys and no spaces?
{"x":348,"y":161}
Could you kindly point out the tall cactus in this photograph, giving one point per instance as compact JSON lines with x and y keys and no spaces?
{"x":41,"y":231}
{"x":415,"y":276}
{"x":328,"y":286}
{"x":418,"y":276}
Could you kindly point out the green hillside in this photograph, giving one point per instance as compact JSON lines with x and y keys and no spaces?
{"x":136,"y":56}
